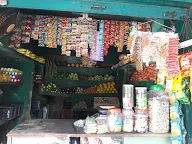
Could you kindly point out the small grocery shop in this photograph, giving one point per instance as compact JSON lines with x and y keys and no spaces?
{"x":102,"y":72}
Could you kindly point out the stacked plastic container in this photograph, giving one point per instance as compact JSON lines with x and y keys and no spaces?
{"x":128,"y":104}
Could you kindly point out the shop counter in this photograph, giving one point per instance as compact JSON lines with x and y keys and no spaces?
{"x":49,"y":131}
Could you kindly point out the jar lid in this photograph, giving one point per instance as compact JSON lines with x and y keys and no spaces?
{"x":144,"y":111}
{"x":156,"y":87}
{"x":141,"y":90}
{"x":114,"y":110}
{"x":128,"y":112}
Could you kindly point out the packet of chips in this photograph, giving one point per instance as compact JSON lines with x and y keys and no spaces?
{"x":176,"y":127}
{"x":174,"y":110}
{"x":177,"y":83}
{"x":169,"y":85}
{"x":172,"y":98}
{"x":176,"y":140}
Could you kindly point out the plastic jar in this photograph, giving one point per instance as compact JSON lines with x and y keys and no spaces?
{"x":158,"y":107}
{"x":127,"y":120}
{"x":128,"y":96}
{"x":141,"y":97}
{"x":114,"y":119}
{"x":141,"y":122}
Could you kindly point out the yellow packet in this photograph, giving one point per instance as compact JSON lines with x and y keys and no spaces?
{"x":177,"y":83}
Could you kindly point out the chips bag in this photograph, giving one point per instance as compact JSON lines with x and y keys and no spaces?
{"x":185,"y":63}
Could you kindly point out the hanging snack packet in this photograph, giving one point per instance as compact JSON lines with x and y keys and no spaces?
{"x":176,"y":140}
{"x":190,"y":86}
{"x":186,"y":63}
{"x":169,"y":85}
{"x":172,"y":98}
{"x":186,"y":90}
{"x":174,"y":110}
{"x":177,"y":83}
{"x":176,"y":128}
{"x":161,"y":77}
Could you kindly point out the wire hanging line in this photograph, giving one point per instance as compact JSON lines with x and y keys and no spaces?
{"x":171,"y":28}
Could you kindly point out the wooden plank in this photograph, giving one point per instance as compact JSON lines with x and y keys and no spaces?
{"x":64,"y":128}
{"x":102,"y":7}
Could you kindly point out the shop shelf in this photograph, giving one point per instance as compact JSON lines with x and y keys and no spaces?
{"x":143,"y":83}
{"x":6,"y":52}
{"x":74,"y":83}
{"x":10,"y":83}
{"x":84,"y":109}
{"x":9,"y":111}
{"x":79,"y":95}
{"x":86,"y":70}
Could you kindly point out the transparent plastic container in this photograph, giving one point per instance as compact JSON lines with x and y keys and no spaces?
{"x":141,"y":122}
{"x":141,"y":97}
{"x":114,"y":119}
{"x":128,"y":96}
{"x":158,"y":108}
{"x":127,"y":115}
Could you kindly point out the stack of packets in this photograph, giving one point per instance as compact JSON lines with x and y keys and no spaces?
{"x":90,"y":125}
{"x":102,"y":126}
{"x":178,"y":130}
{"x":96,"y":125}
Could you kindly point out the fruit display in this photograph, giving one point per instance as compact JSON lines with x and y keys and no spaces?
{"x":68,"y":90}
{"x":147,"y":74}
{"x":10,"y":75}
{"x":102,"y":88}
{"x":53,"y":88}
{"x":74,"y":76}
{"x":80,"y":104}
{"x":66,"y":76}
{"x":31,"y":55}
{"x":79,"y":90}
{"x":50,"y":88}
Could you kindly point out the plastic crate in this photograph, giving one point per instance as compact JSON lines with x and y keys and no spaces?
{"x":7,"y":112}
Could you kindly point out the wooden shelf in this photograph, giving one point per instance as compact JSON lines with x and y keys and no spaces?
{"x":65,"y":128}
{"x":10,"y":83}
{"x":6,"y":52}
{"x":78,"y":95}
{"x":74,"y":83}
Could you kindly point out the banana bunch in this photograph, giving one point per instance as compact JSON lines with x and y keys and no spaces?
{"x":30,"y":55}
{"x":40,"y":59}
